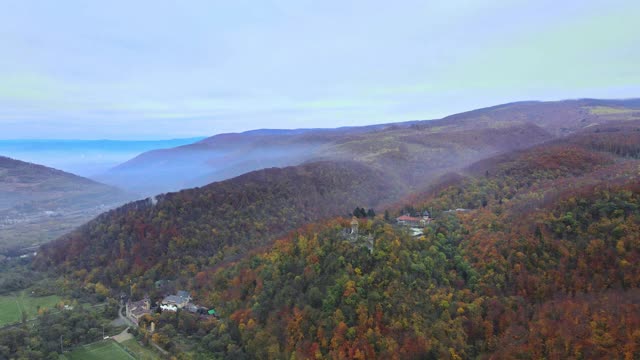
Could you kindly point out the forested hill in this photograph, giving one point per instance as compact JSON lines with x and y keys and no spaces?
{"x":542,"y":262}
{"x":201,"y":226}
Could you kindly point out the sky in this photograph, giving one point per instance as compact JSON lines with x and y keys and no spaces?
{"x":170,"y":69}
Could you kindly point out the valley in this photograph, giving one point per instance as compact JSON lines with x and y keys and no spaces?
{"x":38,"y":204}
{"x":24,"y":231}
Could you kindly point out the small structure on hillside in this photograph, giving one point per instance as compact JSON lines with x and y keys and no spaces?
{"x":408,"y":220}
{"x":416,"y":232}
{"x":356,"y":238}
{"x":137,"y":309}
{"x":196,"y":309}
{"x":354,"y":226}
{"x":369,"y":243}
{"x":456,"y":210}
{"x":182,"y":301}
{"x":191,"y":307}
{"x":175,"y":302}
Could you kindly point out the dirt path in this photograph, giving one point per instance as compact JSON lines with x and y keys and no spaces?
{"x":123,"y":336}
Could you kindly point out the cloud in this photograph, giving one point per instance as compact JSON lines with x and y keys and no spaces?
{"x":122,"y":69}
{"x":29,"y":88}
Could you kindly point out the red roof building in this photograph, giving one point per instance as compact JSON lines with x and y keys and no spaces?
{"x":412,"y":221}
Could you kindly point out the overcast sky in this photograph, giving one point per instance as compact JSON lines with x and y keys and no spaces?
{"x":167,"y":69}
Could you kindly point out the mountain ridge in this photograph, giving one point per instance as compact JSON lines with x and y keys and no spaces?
{"x":226,"y":155}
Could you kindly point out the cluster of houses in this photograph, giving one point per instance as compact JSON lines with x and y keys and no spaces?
{"x":182,"y":300}
{"x":414,"y":222}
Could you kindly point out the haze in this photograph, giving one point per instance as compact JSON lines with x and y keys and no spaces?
{"x":161,"y":69}
{"x":82,"y":157}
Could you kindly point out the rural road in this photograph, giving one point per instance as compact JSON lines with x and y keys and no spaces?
{"x":125,"y":319}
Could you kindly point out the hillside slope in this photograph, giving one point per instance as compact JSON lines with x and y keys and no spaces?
{"x":411,"y":147}
{"x":542,"y":263}
{"x":203,"y":226}
{"x":533,"y":268}
{"x":38,"y":203}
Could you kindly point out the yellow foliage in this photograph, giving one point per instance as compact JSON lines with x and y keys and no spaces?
{"x":620,"y":247}
{"x":101,"y":290}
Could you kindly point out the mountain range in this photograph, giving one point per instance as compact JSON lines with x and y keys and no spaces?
{"x":413,"y":152}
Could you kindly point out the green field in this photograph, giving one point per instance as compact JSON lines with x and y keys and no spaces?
{"x":607,"y":110}
{"x":11,"y":306}
{"x":143,"y":353}
{"x":102,"y":350}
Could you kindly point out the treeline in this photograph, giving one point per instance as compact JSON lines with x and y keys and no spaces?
{"x":362,"y":213}
{"x":623,"y":142}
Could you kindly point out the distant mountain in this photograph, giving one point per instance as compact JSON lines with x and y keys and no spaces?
{"x":221,"y":157}
{"x":83,"y":157}
{"x":416,"y":150}
{"x":38,"y":203}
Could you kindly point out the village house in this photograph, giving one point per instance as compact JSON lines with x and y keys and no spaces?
{"x":137,"y":309}
{"x":182,"y":300}
{"x":175,"y":302}
{"x":413,"y":221}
